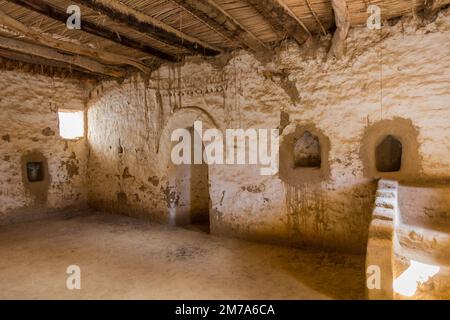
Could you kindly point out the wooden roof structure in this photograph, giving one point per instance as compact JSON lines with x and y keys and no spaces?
{"x":117,"y":37}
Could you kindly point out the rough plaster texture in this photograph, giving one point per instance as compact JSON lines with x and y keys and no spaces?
{"x":29,"y":129}
{"x":400,"y":72}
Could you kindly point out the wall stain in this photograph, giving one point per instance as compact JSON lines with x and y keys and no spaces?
{"x":284,"y":121}
{"x":48,"y":132}
{"x":282,"y":79}
{"x":122,"y":200}
{"x":71,"y":165}
{"x":254,"y":188}
{"x":171,"y":197}
{"x":221,"y":199}
{"x":307,"y":211}
{"x":154,"y":180}
{"x":126,"y":174}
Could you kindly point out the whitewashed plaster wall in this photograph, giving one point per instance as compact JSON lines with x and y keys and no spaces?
{"x":29,"y":124}
{"x":398,"y":74}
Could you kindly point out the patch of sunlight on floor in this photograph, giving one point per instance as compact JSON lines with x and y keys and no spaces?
{"x":417,"y":273}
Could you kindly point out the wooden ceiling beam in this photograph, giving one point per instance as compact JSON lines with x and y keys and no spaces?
{"x":45,"y":8}
{"x":431,"y":8}
{"x":38,"y":61}
{"x":280,"y":16}
{"x":52,"y":54}
{"x":218,"y":19}
{"x":342,"y":21}
{"x":70,"y":47}
{"x":144,"y":23}
{"x":319,"y":23}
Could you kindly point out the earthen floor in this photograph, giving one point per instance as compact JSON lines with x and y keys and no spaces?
{"x":126,"y":258}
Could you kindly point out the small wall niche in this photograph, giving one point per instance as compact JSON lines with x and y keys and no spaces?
{"x":388,"y":155}
{"x":390,"y":149}
{"x":307,"y":151}
{"x":303,"y":153}
{"x":35,"y":171}
{"x":35,"y":176}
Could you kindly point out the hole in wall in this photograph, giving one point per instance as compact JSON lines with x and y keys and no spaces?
{"x":307,"y":151}
{"x":388,"y":155}
{"x":35,"y":171}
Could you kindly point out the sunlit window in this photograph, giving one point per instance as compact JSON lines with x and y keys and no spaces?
{"x":71,"y":124}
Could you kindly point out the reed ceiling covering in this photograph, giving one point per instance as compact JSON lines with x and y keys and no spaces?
{"x":119,"y":36}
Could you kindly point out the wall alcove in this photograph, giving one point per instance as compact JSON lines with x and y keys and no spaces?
{"x":307,"y":151}
{"x":303,"y":155}
{"x":35,"y":175}
{"x":390,"y":149}
{"x":388,"y":155}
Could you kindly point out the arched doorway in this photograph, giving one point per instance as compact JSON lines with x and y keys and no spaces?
{"x":191,"y":182}
{"x":186,"y":182}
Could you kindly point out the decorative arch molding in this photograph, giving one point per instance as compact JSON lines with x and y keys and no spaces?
{"x":403,"y":131}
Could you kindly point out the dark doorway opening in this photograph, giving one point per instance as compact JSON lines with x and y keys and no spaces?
{"x":192,"y":182}
{"x":199,"y":191}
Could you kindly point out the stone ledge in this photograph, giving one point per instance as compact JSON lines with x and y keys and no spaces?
{"x":382,"y":229}
{"x":383,"y":213}
{"x":388,"y":203}
{"x":386,"y":193}
{"x":387,"y":184}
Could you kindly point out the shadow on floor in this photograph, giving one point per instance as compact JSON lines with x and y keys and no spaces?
{"x":339,"y":276}
{"x":202,"y":227}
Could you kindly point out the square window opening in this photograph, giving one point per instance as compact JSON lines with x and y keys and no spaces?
{"x":71,"y":124}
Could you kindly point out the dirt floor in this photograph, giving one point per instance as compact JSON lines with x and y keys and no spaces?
{"x":125,"y":258}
